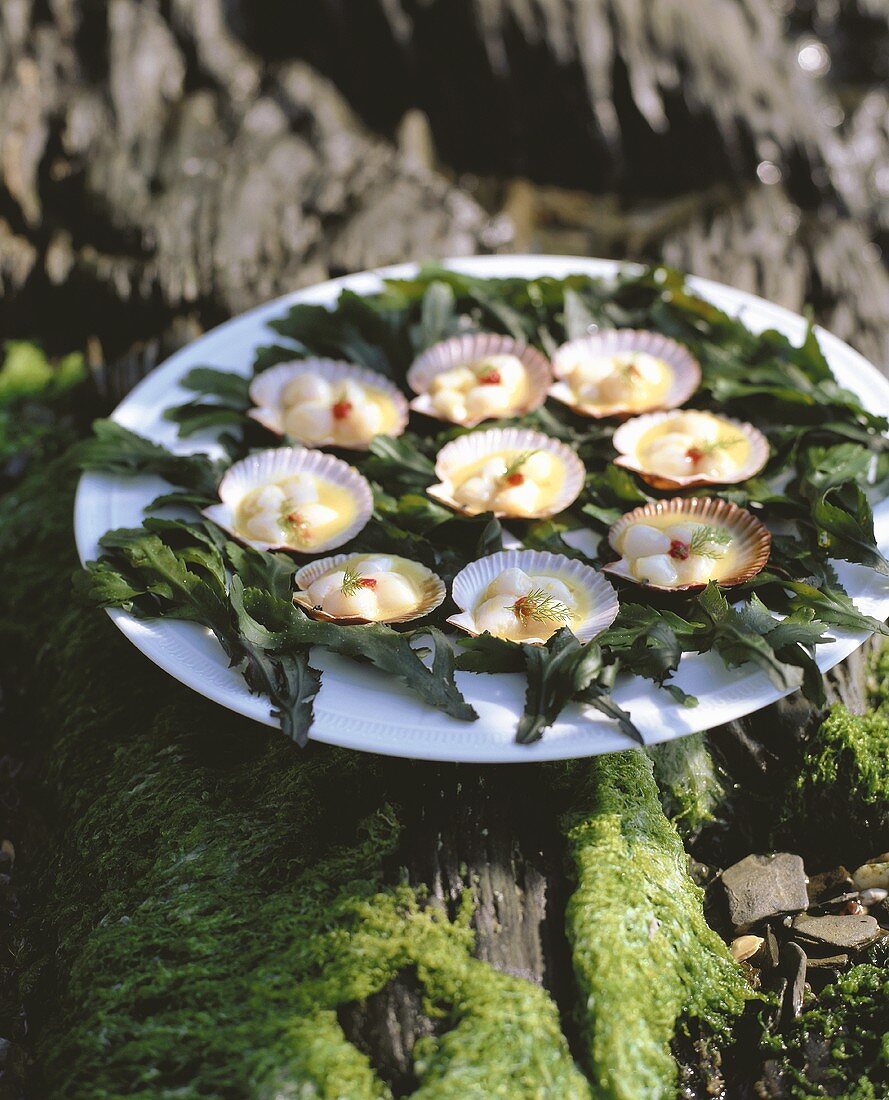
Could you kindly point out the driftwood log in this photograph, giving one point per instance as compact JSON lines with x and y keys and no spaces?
{"x":164,"y":165}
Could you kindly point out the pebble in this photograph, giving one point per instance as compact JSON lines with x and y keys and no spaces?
{"x":759,"y":887}
{"x":744,"y":947}
{"x":793,"y":967}
{"x":872,"y":876}
{"x":851,"y":932}
{"x":873,"y":895}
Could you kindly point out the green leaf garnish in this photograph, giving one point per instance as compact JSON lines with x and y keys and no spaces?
{"x":704,"y":536}
{"x":352,"y":581}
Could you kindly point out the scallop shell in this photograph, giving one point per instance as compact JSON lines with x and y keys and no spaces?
{"x":753,"y":546}
{"x":266,"y":390}
{"x":267,"y":467}
{"x":686,"y":369}
{"x":627,"y":436}
{"x":433,"y":590}
{"x":462,"y":350}
{"x":473,"y":580}
{"x":469,"y":448}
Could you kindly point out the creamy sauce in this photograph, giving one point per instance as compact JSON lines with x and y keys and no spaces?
{"x":669,"y":552}
{"x":521,"y":607}
{"x":315,"y":410}
{"x":693,"y":443}
{"x":302,"y":511}
{"x":505,"y":481}
{"x":626,"y":381}
{"x":491,"y":387}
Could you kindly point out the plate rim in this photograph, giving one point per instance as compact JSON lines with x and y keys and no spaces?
{"x":342,"y":730}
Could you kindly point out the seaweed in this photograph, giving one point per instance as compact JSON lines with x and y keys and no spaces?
{"x":645,"y":960}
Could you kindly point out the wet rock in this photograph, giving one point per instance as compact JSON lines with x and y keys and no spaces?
{"x":871,"y":875}
{"x":759,"y":887}
{"x":816,"y":962}
{"x":793,"y":968}
{"x":828,"y":884}
{"x":767,"y":958}
{"x":873,"y":895}
{"x":849,"y":932}
{"x":880,"y":912}
{"x":745,"y":947}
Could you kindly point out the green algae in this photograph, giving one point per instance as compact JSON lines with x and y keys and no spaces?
{"x":840,"y":797}
{"x":211,"y":896}
{"x":689,"y":783}
{"x":840,"y":1045}
{"x":644,"y":957}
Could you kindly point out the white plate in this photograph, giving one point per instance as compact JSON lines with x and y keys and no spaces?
{"x":359,"y":708}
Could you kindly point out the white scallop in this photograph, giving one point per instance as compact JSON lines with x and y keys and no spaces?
{"x":311,"y":422}
{"x":557,"y":589}
{"x":539,"y":466}
{"x":306,"y":387}
{"x":395,"y":594}
{"x":460,"y":378}
{"x":494,"y":469}
{"x":495,"y":617}
{"x":701,"y":426}
{"x":475,"y":491}
{"x":512,"y":582}
{"x":264,"y":527}
{"x":450,"y":404}
{"x":696,"y":569}
{"x":361,"y":424}
{"x":656,"y":569}
{"x":642,"y":540}
{"x":298,"y":489}
{"x":270,"y":498}
{"x":378,"y":564}
{"x":518,"y":499}
{"x":323,"y":586}
{"x":488,"y":401}
{"x":316,"y":515}
{"x":510,"y":369}
{"x":362,"y":602}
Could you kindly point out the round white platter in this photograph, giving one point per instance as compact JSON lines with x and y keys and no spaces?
{"x":359,"y":708}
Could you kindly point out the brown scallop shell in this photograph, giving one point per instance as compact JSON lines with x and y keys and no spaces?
{"x":753,"y":539}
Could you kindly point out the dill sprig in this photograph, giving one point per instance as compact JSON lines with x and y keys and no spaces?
{"x":709,"y":447}
{"x":705,"y":535}
{"x":351,"y":581}
{"x":517,"y":462}
{"x":542,"y":607}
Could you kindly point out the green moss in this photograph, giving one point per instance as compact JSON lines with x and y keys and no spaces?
{"x":690,"y":787}
{"x":645,"y":958}
{"x":840,"y":798}
{"x":840,"y":1046}
{"x":210,"y":896}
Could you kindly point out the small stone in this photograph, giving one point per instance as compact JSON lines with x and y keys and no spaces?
{"x":873,"y":895}
{"x":852,"y":932}
{"x":759,"y":887}
{"x":744,"y":947}
{"x":793,"y":967}
{"x":768,"y":957}
{"x":827,"y":960}
{"x":870,"y":875}
{"x":828,"y":884}
{"x":880,"y":911}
